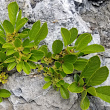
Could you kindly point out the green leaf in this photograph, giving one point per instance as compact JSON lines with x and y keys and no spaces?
{"x":41,"y":34}
{"x":70,"y":58}
{"x":19,"y":66}
{"x":51,"y":70}
{"x":81,"y":82}
{"x":30,"y":45}
{"x":93,"y":49}
{"x":99,"y":76}
{"x":37,"y":54}
{"x":9,"y":60}
{"x":25,"y":42}
{"x":46,"y":85}
{"x":2,"y":34}
{"x":24,"y":33}
{"x":44,"y":49}
{"x":62,"y":74}
{"x":35,"y":29}
{"x":92,"y":65}
{"x":66,"y":36}
{"x":1,"y":99}
{"x":80,"y":37}
{"x":64,"y":92}
{"x":61,"y":82}
{"x":84,"y":101}
{"x":12,"y":12}
{"x":26,"y":50}
{"x":7,"y":45}
{"x":17,"y":42}
{"x":68,"y":68}
{"x":11,"y":66}
{"x":2,"y":56}
{"x":84,"y":42}
{"x":47,"y":79}
{"x":32,"y":65}
{"x":49,"y":55}
{"x":26,"y":68}
{"x":1,"y":29}
{"x":2,"y":40}
{"x":92,"y":91}
{"x":80,"y":64}
{"x":8,"y":27}
{"x":19,"y":16}
{"x":57,"y":46}
{"x":4,"y":93}
{"x":104,"y":93}
{"x":20,"y":24}
{"x":10,"y":52}
{"x":74,"y":34}
{"x":76,"y":77}
{"x":75,"y":88}
{"x":57,"y":64}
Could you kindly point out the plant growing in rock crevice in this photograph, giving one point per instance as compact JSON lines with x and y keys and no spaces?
{"x":21,"y":50}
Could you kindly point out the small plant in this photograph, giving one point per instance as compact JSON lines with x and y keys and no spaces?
{"x":92,"y":75}
{"x":19,"y":48}
{"x":62,"y":62}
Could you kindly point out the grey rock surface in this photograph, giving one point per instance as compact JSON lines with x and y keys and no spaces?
{"x":87,"y":16}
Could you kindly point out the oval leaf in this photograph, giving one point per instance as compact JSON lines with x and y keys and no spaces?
{"x":4,"y":93}
{"x":2,"y":40}
{"x":25,"y":42}
{"x":57,"y":46}
{"x":32,"y":65}
{"x":46,"y":85}
{"x":41,"y":34}
{"x":84,"y":42}
{"x":21,"y":23}
{"x":74,"y":34}
{"x":80,"y":64}
{"x":104,"y":93}
{"x":12,"y":12}
{"x":7,"y":45}
{"x":93,"y":49}
{"x":68,"y":68}
{"x":19,"y":66}
{"x":10,"y":52}
{"x":37,"y":54}
{"x":47,"y":79}
{"x":26,"y":68}
{"x":99,"y":76}
{"x":8,"y":27}
{"x":66,"y":36}
{"x":84,"y":101}
{"x":75,"y":88}
{"x":35,"y":28}
{"x":70,"y":58}
{"x":9,"y":60}
{"x":64,"y":92}
{"x":80,"y":37}
{"x":92,"y":65}
{"x":11,"y":66}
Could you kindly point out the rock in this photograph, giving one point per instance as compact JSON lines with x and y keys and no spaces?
{"x":27,"y":94}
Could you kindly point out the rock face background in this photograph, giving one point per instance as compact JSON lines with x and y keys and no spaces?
{"x":92,"y":16}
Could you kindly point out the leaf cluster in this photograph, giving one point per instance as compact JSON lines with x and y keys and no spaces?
{"x":63,"y":62}
{"x":20,"y":49}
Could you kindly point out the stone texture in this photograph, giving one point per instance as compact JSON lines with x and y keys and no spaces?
{"x":87,"y":16}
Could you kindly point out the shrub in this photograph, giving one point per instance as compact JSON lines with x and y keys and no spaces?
{"x":20,"y":48}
